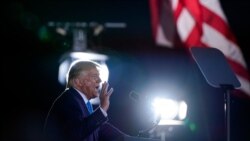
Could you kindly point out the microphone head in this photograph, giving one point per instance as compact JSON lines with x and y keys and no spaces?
{"x":138,"y":97}
{"x":133,"y":95}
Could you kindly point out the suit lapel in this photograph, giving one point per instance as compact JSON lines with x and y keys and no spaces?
{"x":80,"y":102}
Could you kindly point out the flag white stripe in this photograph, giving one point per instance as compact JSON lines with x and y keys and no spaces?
{"x":161,"y":39}
{"x":245,"y":85}
{"x":214,"y":6}
{"x":213,"y":38}
{"x":185,"y":24}
{"x":174,"y":4}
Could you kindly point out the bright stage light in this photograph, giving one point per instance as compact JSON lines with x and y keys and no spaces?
{"x":182,"y":110}
{"x":172,"y":112}
{"x":168,"y":109}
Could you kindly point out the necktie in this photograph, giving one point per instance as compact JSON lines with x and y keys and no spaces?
{"x":89,"y":106}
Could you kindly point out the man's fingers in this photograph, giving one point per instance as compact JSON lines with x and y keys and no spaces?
{"x":110,"y":91}
{"x":106,"y":88}
{"x":105,"y":91}
{"x":103,"y":87}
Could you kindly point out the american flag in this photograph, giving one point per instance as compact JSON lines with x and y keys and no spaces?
{"x":189,"y":23}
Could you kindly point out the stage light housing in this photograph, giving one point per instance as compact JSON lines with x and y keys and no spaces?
{"x":171,"y":112}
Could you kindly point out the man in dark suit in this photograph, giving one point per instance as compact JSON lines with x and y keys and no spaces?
{"x":70,"y":119}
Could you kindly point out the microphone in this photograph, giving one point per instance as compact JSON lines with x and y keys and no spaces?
{"x":135,"y":96}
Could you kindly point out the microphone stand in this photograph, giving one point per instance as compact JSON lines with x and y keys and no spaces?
{"x":141,"y":132}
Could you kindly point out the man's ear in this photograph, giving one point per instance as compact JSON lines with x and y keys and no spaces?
{"x":76,"y":81}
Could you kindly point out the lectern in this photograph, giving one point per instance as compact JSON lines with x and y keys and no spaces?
{"x":218,"y":73}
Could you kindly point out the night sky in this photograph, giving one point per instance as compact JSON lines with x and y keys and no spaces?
{"x":31,"y":52}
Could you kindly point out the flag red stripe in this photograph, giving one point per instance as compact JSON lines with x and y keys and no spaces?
{"x":218,"y":23}
{"x":154,"y":6}
{"x":194,"y":8}
{"x":178,"y":11}
{"x":194,"y":38}
{"x":238,"y":69}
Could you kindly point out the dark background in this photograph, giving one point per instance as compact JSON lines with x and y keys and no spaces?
{"x":30,"y":59}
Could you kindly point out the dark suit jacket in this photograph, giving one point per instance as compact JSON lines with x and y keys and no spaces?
{"x":69,"y":120}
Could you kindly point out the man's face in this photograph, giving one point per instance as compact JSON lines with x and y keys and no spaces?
{"x":92,"y":83}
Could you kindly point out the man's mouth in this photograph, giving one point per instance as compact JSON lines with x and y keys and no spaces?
{"x":97,"y":88}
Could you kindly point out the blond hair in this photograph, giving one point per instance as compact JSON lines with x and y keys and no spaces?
{"x":78,"y":67}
